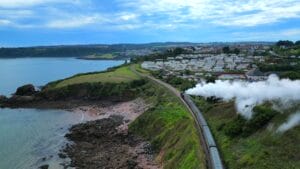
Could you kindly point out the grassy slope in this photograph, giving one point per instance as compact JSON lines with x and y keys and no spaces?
{"x":139,"y":68}
{"x":122,"y":74}
{"x":106,"y":56}
{"x":262,"y":150}
{"x":170,"y":128}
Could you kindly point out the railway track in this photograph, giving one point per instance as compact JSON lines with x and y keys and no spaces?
{"x":213,"y":158}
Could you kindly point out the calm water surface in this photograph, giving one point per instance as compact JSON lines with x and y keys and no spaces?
{"x":39,"y":71}
{"x":29,"y":135}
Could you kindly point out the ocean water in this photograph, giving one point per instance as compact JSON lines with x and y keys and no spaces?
{"x":29,"y":135}
{"x":39,"y":71}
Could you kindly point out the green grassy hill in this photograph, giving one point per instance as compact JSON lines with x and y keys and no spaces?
{"x":118,"y":75}
{"x":253,"y":144}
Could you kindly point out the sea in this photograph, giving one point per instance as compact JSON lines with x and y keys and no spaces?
{"x":30,"y":138}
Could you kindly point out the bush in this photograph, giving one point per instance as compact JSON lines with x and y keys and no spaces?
{"x":293,"y":75}
{"x":235,"y":127}
{"x":261,"y":117}
{"x":94,"y":91}
{"x":180,"y":83}
{"x":285,"y":43}
{"x":242,"y":127}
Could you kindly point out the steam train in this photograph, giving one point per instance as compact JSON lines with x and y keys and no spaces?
{"x":210,"y":144}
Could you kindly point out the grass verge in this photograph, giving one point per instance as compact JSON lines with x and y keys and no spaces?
{"x":171,"y":129}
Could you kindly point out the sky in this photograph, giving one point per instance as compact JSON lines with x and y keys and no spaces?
{"x":55,"y":22}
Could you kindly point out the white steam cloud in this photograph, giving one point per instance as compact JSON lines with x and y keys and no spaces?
{"x":249,"y":94}
{"x":293,"y":121}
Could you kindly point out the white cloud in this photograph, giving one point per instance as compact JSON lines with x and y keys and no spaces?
{"x":74,"y":22}
{"x":150,"y":14}
{"x":4,"y":22}
{"x":221,"y":12}
{"x":28,"y":3}
{"x":16,"y":14}
{"x":127,"y":16}
{"x":18,"y":3}
{"x":292,"y":34}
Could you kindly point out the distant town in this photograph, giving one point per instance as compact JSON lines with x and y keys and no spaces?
{"x":237,"y":62}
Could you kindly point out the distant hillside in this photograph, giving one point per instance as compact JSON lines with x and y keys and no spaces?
{"x":99,"y":49}
{"x":80,"y":50}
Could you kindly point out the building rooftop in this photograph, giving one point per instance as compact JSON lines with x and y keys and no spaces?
{"x":254,"y":72}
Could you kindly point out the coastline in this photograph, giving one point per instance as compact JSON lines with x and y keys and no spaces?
{"x":114,"y":147}
{"x":114,"y":138}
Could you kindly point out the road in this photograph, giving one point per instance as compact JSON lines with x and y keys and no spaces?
{"x":177,"y":93}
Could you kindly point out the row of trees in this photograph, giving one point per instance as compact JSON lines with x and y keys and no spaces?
{"x":163,"y":55}
{"x":227,"y":50}
{"x":287,"y":43}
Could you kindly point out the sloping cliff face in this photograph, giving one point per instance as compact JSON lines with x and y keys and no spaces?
{"x":94,"y":91}
{"x":84,"y":91}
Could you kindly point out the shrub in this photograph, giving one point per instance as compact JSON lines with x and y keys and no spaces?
{"x":235,"y":127}
{"x":293,"y":75}
{"x":261,"y":117}
{"x":91,"y":91}
{"x":239,"y":126}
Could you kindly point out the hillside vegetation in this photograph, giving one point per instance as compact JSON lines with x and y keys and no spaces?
{"x":253,"y":143}
{"x":117,"y":84}
{"x":116,"y":75}
{"x":106,"y":56}
{"x":101,"y":56}
{"x":171,"y":130}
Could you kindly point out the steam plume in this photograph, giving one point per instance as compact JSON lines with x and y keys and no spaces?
{"x":292,"y":121}
{"x":247,"y":94}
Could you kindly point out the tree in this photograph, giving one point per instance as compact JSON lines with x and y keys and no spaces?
{"x":297,"y":42}
{"x":293,"y":75}
{"x":286,"y":43}
{"x":210,"y":79}
{"x":236,"y":51}
{"x":226,"y":49}
{"x":187,"y":72}
{"x":178,"y":51}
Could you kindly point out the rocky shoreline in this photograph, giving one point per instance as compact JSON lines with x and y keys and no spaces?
{"x":103,"y":140}
{"x":103,"y":144}
{"x":106,"y":142}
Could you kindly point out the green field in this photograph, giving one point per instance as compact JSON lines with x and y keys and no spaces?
{"x":101,"y":56}
{"x":121,"y":74}
{"x":105,"y":56}
{"x":261,"y":148}
{"x":139,"y":69}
